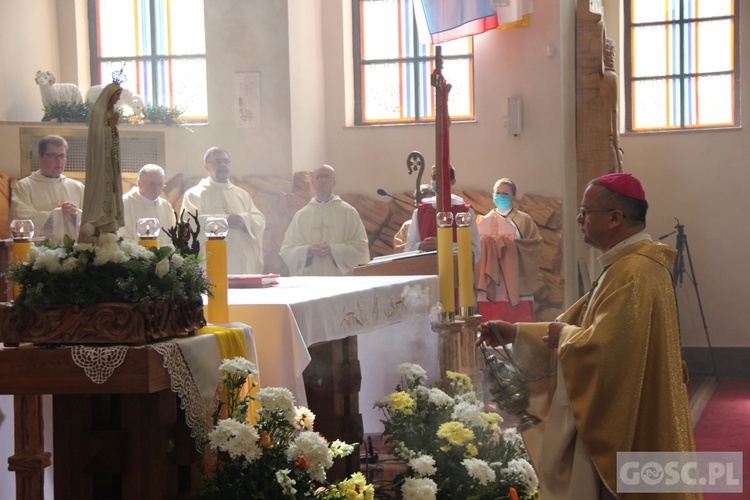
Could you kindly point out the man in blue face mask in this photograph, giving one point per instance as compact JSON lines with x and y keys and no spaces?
{"x":509,"y":261}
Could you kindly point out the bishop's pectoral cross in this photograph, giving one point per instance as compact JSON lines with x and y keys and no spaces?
{"x":321,"y":227}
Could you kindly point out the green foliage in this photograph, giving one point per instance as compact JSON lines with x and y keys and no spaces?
{"x":113,"y":271}
{"x":162,"y":114}
{"x":67,"y":112}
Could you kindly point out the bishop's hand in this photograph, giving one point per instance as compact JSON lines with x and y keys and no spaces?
{"x":506,"y":330}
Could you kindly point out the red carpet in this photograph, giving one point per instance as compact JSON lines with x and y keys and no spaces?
{"x":723,"y":426}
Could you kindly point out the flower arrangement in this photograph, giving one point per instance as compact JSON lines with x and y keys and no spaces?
{"x":113,"y":271}
{"x":451,"y":447}
{"x":279,"y":455}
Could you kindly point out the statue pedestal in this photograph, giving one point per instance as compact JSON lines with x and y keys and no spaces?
{"x":457,"y":351}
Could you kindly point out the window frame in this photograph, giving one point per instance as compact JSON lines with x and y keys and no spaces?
{"x":418,"y":62}
{"x":681,"y":76}
{"x":95,"y":61}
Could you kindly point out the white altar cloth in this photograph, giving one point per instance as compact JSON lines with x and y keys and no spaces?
{"x":303,"y":311}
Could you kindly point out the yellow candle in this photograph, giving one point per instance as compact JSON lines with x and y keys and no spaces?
{"x":445,"y":271}
{"x":216,"y":271}
{"x":466,"y":301}
{"x":19,"y":253}
{"x":148,"y":242}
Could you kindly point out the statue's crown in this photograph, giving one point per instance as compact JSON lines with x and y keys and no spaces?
{"x":119,"y":77}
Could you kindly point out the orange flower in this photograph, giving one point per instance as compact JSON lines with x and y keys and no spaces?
{"x":265,"y":440}
{"x":302,"y":463}
{"x":513,"y":493}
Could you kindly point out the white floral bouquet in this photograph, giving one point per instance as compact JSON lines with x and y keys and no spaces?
{"x":279,"y":456}
{"x":114,"y":270}
{"x":450,"y":446}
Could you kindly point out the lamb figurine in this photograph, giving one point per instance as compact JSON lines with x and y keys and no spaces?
{"x":56,"y":92}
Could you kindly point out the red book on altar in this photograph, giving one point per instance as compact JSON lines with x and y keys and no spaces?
{"x":252,"y":280}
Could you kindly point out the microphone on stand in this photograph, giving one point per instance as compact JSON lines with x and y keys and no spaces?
{"x":382,"y":192}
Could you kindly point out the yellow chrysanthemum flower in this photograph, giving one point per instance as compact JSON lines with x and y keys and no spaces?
{"x":459,"y":381}
{"x":492,"y":419}
{"x":402,"y":402}
{"x":455,"y":432}
{"x":356,"y":488}
{"x":471,"y":451}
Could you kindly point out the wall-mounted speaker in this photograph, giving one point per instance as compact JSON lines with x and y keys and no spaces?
{"x":515,"y":114}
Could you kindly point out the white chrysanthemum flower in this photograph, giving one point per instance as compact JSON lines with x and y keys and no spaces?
{"x":286,"y":482}
{"x":131,"y":247}
{"x":416,"y":297}
{"x":469,"y":414}
{"x":274,"y":399}
{"x":523,"y":467}
{"x":513,"y":437}
{"x":341,"y":449}
{"x":49,"y":260}
{"x":419,"y":488}
{"x":314,"y":448}
{"x":33,"y":254}
{"x":162,"y":267}
{"x":236,"y":438}
{"x":479,"y":470}
{"x":70,"y":264}
{"x":177,"y":260}
{"x":304,"y":418}
{"x":382,"y":402}
{"x":83,"y":247}
{"x":108,"y":239}
{"x":137,"y":251}
{"x":238,"y":366}
{"x":108,"y":253}
{"x":423,"y":465}
{"x":439,"y":397}
{"x":412,"y":372}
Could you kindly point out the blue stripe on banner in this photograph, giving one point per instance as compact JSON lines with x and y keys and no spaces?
{"x":445,"y":15}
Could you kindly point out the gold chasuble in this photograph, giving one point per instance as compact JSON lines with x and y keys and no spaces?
{"x":622,"y":373}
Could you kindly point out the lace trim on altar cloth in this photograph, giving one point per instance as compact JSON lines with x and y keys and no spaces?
{"x":99,"y":363}
{"x":182,"y":382}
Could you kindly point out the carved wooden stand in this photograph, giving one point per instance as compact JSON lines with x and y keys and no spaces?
{"x":145,"y":448}
{"x":105,"y":323}
{"x":457,"y":351}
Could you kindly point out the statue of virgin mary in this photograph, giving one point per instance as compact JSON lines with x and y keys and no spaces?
{"x":102,"y":197}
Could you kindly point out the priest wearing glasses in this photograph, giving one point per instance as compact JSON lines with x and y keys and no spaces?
{"x":326,"y":237}
{"x":47,"y":197}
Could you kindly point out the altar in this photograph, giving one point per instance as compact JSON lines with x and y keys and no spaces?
{"x":381,"y":321}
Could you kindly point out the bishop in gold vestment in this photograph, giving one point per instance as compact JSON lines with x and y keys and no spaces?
{"x":620,"y":384}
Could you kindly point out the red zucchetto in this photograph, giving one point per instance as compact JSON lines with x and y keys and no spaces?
{"x":624,"y":184}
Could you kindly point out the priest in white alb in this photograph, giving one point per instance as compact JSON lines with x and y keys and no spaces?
{"x":48,"y":198}
{"x":143,"y":201}
{"x":326,"y":237}
{"x":216,"y":196}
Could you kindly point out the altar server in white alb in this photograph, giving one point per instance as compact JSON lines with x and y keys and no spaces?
{"x":144,"y":201}
{"x":326,"y":237}
{"x":215,"y":196}
{"x":48,"y":198}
